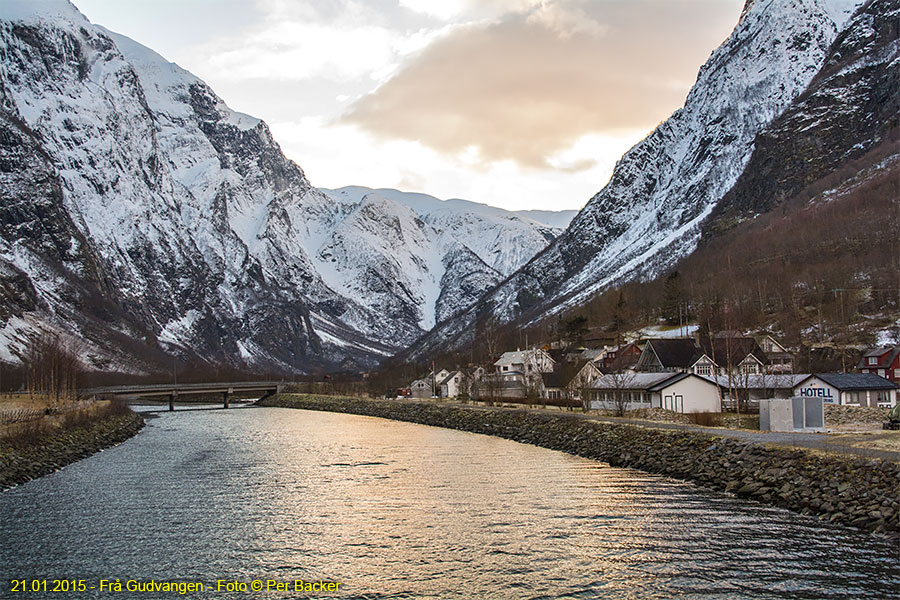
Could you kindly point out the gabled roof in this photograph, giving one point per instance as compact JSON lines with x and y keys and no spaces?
{"x":885,"y":357}
{"x":781,"y":347}
{"x":719,"y":348}
{"x":518,"y":357}
{"x":849,"y":382}
{"x":554,"y":379}
{"x":635,"y":381}
{"x":448,"y":377}
{"x":776,"y":381}
{"x":675,"y":352}
{"x":666,"y":383}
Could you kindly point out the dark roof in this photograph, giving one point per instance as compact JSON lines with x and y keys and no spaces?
{"x":855,"y":381}
{"x":738,"y":347}
{"x":675,"y":352}
{"x":554,"y":379}
{"x":886,"y":357}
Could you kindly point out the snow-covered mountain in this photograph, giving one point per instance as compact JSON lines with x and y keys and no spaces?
{"x":141,"y":215}
{"x":649,"y":215}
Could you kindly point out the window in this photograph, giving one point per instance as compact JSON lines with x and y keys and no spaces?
{"x":873,"y":360}
{"x":505,"y":368}
{"x":704,"y":369}
{"x":881,"y":372}
{"x":896,"y":373}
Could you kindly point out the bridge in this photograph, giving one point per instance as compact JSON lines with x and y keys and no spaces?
{"x":174,"y":390}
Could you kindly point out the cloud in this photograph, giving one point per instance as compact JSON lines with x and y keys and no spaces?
{"x":529,"y":85}
{"x":340,"y":41}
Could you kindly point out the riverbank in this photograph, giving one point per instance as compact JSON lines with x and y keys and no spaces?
{"x":857,"y":492}
{"x":37,"y":449}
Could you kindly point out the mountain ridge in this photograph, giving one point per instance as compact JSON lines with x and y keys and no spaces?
{"x":649,"y":214}
{"x":180,"y":226}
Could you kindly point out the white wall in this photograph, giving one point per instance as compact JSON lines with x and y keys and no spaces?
{"x":689,"y":395}
{"x":816,"y":388}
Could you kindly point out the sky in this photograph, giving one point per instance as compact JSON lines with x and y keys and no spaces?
{"x":521,"y":104}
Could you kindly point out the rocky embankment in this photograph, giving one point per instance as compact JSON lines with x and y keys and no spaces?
{"x":851,"y":491}
{"x":21,"y":462}
{"x":836,"y":414}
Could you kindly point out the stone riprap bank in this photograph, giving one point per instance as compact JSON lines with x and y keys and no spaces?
{"x":19,"y":464}
{"x":858,"y":492}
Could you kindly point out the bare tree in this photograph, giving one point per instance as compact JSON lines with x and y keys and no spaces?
{"x":533,"y":384}
{"x":52,"y":369}
{"x":620,"y":383}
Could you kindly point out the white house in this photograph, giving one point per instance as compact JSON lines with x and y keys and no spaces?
{"x":421,"y":388}
{"x":780,"y":360}
{"x":851,"y":389}
{"x":450,"y":385}
{"x":531,"y":361}
{"x":441,"y":375}
{"x":679,"y":392}
{"x":582,"y":379}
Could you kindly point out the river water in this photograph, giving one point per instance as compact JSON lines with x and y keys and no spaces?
{"x":396,"y":510}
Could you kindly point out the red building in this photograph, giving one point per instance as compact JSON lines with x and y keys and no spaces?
{"x":884,"y":362}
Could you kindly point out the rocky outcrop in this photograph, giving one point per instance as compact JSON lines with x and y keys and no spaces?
{"x":856,"y":492}
{"x":850,"y":108}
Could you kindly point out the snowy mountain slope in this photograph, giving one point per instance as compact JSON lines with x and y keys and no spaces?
{"x":648,"y":215}
{"x":141,"y":216}
{"x":851,"y":107}
{"x":505,"y":240}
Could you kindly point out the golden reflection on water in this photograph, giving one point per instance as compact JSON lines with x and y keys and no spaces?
{"x":395,"y":510}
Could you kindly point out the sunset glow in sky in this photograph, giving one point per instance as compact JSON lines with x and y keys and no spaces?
{"x":521,"y":104}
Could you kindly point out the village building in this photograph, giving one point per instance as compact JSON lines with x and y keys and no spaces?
{"x":451,"y":385}
{"x":553,"y":386}
{"x":750,"y":389}
{"x":621,"y":358}
{"x":586,"y":354}
{"x":441,"y":376}
{"x":780,"y":360}
{"x":884,"y":362}
{"x":718,"y":356}
{"x":533,"y":360}
{"x":674,"y":355}
{"x":679,"y":392}
{"x":851,"y":389}
{"x":421,"y":388}
{"x":585,"y":372}
{"x":508,"y":385}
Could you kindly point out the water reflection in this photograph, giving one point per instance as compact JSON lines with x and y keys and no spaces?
{"x":394,"y":510}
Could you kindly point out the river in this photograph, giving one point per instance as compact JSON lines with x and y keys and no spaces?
{"x":397,"y":510}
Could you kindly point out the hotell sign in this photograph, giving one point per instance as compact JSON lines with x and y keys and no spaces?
{"x":817,"y":392}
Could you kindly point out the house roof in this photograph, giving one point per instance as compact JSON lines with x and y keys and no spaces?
{"x":781,"y":347}
{"x":633,"y":381}
{"x":675,"y":352}
{"x":885,"y":357}
{"x":718,"y":349}
{"x":667,"y":382}
{"x":448,"y":377}
{"x":554,"y":379}
{"x":854,"y":381}
{"x":515,"y":358}
{"x":777,"y":381}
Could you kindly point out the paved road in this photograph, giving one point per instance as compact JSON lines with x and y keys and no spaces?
{"x":817,"y":441}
